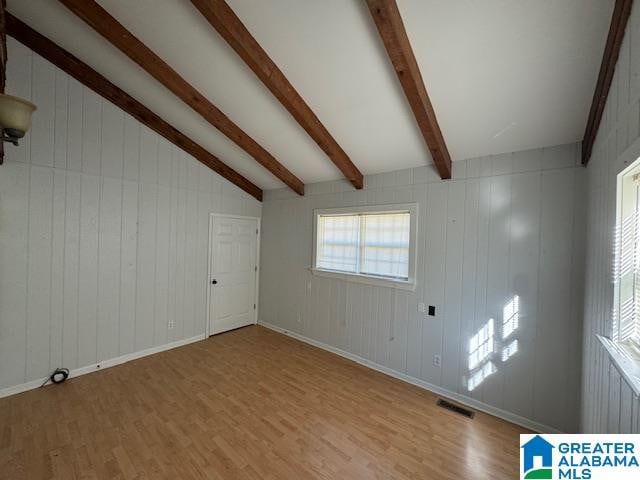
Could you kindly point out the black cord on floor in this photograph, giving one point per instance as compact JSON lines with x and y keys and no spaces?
{"x":59,"y":375}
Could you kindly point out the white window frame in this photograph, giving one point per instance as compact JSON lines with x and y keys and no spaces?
{"x":624,"y":353}
{"x":408,"y":284}
{"x":628,"y":183}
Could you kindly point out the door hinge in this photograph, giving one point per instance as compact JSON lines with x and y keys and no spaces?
{"x":255,"y":269}
{"x":254,"y":306}
{"x":256,"y":231}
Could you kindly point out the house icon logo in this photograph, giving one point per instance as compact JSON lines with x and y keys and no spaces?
{"x":537,"y":459}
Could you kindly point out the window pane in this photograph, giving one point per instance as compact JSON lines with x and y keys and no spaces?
{"x":626,"y":312}
{"x":338,"y":241}
{"x":385,"y":245}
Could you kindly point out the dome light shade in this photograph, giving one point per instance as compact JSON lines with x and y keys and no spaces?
{"x":15,"y":117}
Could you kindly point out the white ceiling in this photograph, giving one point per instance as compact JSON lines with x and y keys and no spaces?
{"x":503,"y":75}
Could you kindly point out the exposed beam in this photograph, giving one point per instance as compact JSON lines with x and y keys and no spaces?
{"x":99,"y":84}
{"x":228,"y":25}
{"x":3,"y":61}
{"x":107,"y":26}
{"x":621,"y":13}
{"x":394,"y":36}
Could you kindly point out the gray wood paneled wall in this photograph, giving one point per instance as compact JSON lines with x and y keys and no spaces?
{"x":103,"y":231}
{"x":608,"y":404}
{"x":505,"y":225}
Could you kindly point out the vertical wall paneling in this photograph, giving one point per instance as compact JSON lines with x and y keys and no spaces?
{"x":469,"y":254}
{"x":104,"y":231}
{"x":39,"y":270}
{"x":61,"y":119}
{"x":128,"y":266}
{"x":503,"y":226}
{"x":434,"y":279}
{"x":498,"y":293}
{"x":91,"y":131}
{"x":109,"y":264}
{"x":56,"y":305}
{"x":43,"y":95}
{"x":90,"y":189}
{"x":190,"y":257}
{"x":71,"y":270}
{"x":14,"y":203}
{"x":524,"y":255}
{"x":554,"y":291}
{"x":481,"y":313}
{"x":163,"y":235}
{"x":74,"y":125}
{"x":456,"y":199}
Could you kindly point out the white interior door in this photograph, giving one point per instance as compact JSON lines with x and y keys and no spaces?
{"x":232,"y":283}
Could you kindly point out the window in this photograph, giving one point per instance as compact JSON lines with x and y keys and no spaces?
{"x":623,"y":346}
{"x":626,"y":314}
{"x":368,"y":242}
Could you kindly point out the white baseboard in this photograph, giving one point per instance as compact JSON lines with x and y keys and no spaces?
{"x":112,"y":362}
{"x":462,"y":399}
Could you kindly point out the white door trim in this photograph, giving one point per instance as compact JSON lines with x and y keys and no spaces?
{"x":213,"y":216}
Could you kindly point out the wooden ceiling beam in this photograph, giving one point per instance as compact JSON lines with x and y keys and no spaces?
{"x":112,"y":30}
{"x":619,"y":20}
{"x":223,"y":19}
{"x":99,"y":84}
{"x":388,"y":21}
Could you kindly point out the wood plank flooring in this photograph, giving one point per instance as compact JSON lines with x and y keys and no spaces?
{"x":248,"y":404}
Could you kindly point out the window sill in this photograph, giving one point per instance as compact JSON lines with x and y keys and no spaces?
{"x":366,"y":279}
{"x":626,"y":360}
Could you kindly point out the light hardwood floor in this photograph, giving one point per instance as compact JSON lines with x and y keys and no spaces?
{"x":246,"y":404}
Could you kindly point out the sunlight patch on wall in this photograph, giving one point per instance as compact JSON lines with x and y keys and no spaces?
{"x":479,"y":377}
{"x":510,"y":317}
{"x":484,"y":344}
{"x":481,"y":345}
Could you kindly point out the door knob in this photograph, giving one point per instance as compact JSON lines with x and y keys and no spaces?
{"x":214,"y":282}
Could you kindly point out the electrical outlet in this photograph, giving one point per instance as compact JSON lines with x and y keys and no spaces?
{"x":422,"y":307}
{"x":437,"y":361}
{"x":171,"y":325}
{"x":432,"y":311}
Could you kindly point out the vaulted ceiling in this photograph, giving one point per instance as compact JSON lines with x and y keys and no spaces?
{"x":502,"y":75}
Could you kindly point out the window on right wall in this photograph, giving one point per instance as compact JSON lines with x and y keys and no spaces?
{"x":623,"y":345}
{"x":626,"y":311}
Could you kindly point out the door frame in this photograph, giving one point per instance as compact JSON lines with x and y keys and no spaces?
{"x":212,"y":217}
